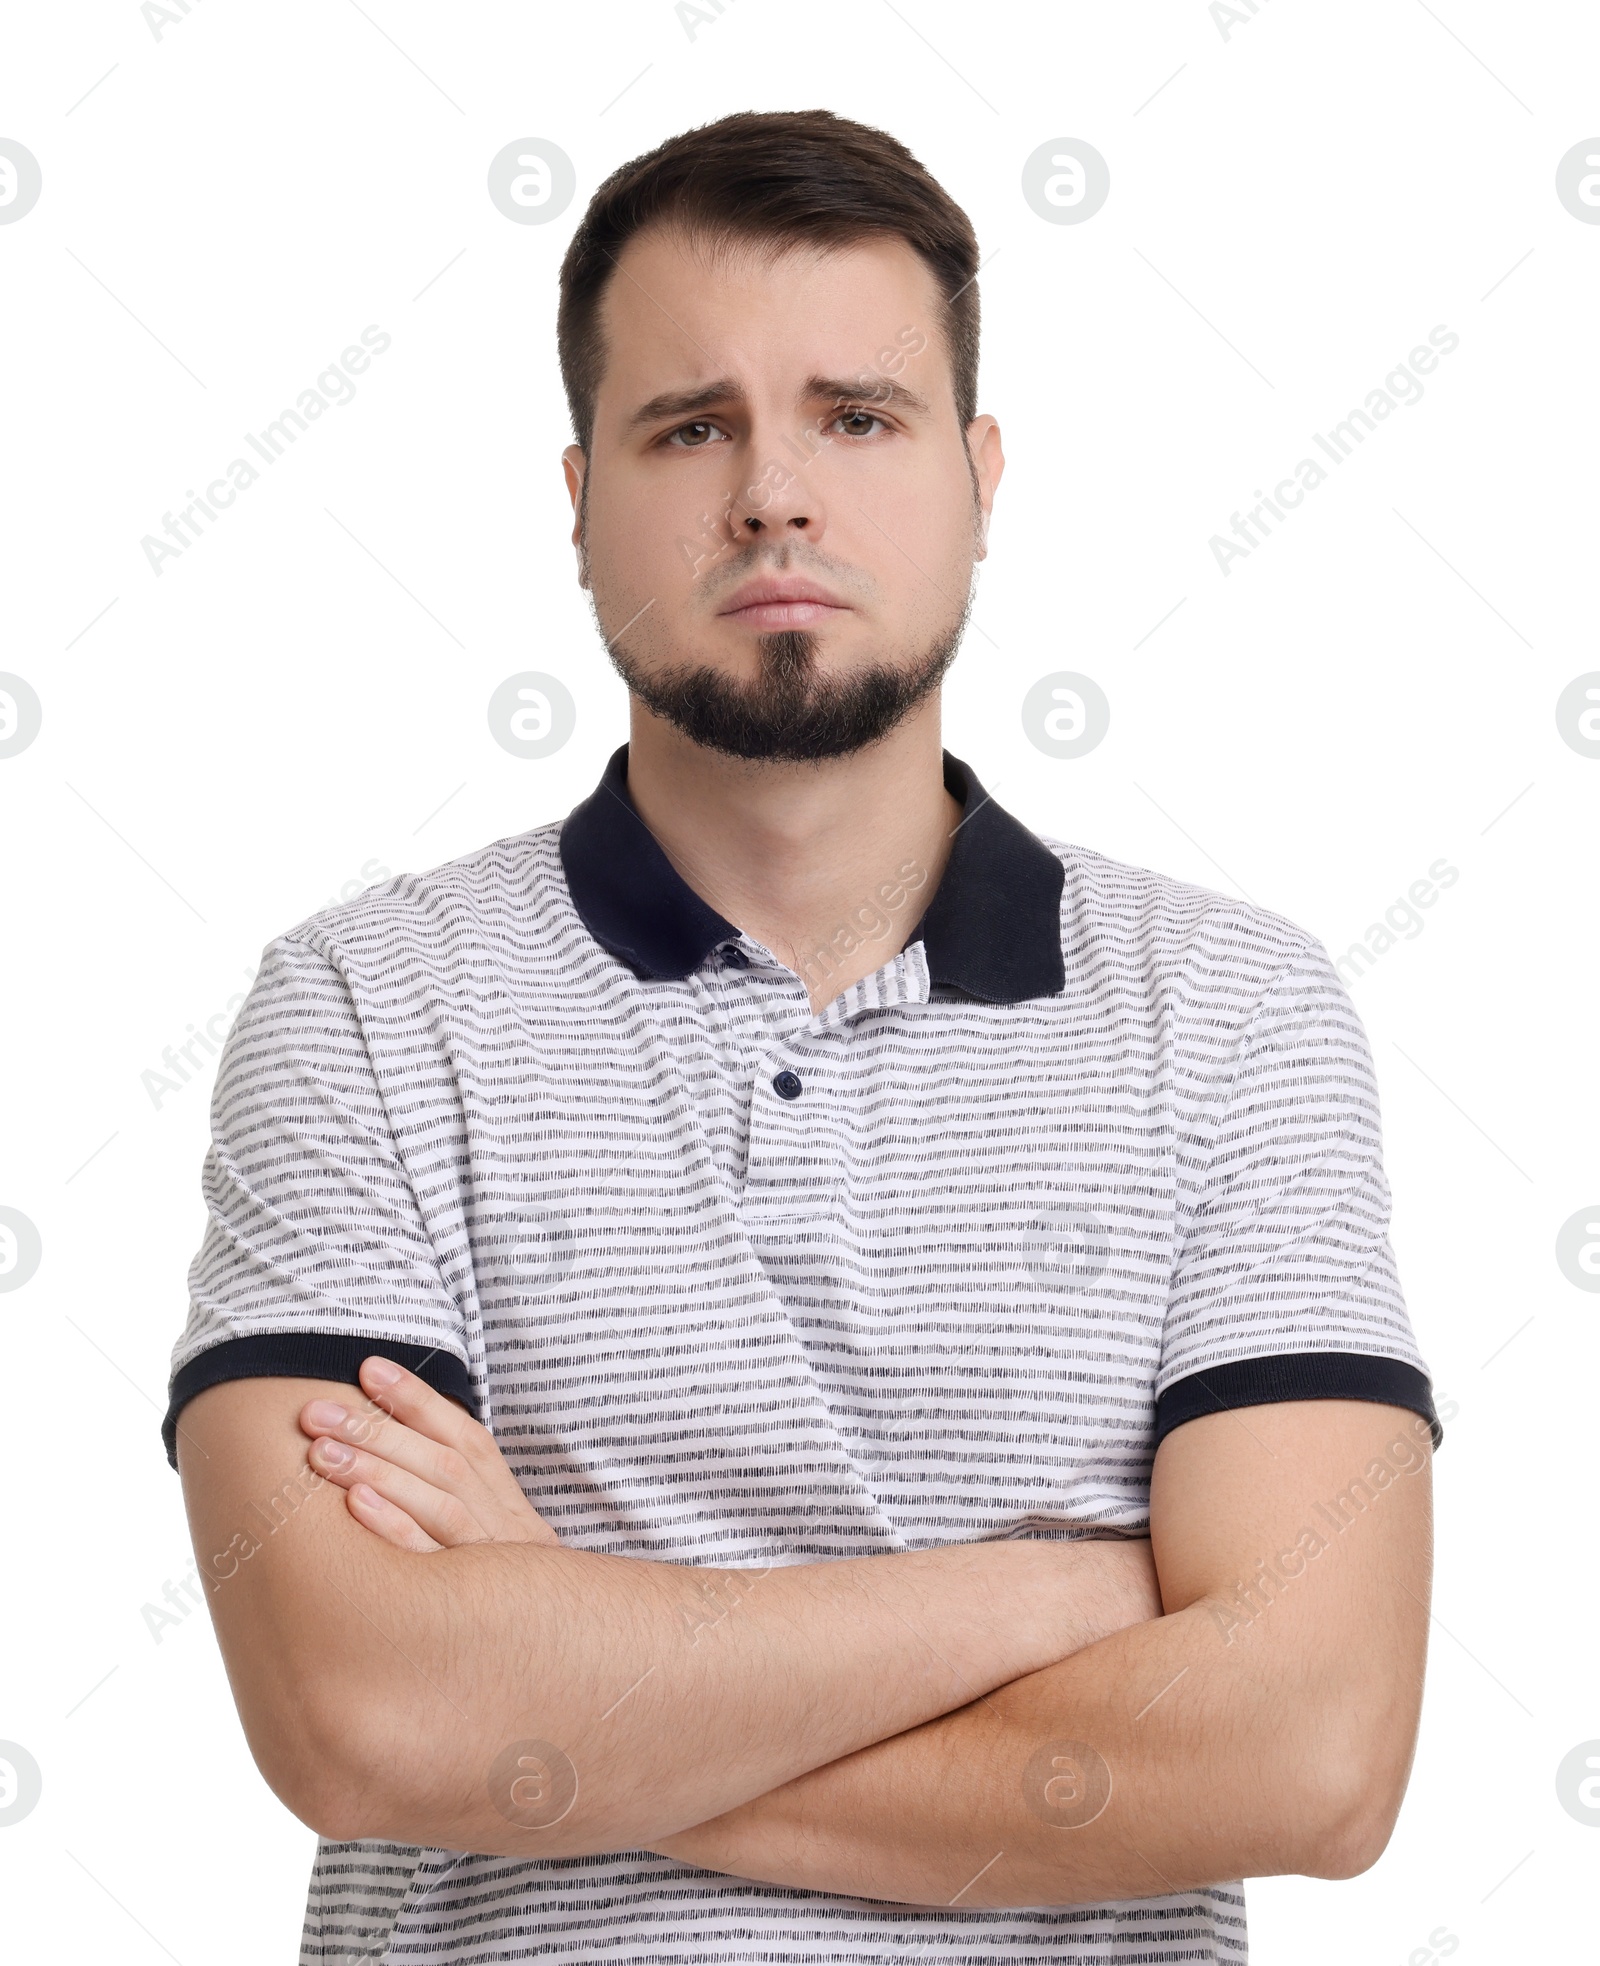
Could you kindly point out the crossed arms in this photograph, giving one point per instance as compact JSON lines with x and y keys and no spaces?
{"x":992,"y":1724}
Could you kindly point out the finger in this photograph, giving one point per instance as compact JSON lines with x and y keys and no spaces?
{"x":439,"y":1514}
{"x":366,"y":1426}
{"x":446,"y":1447}
{"x":413,"y":1401}
{"x":415,"y":1404}
{"x":385,"y":1520}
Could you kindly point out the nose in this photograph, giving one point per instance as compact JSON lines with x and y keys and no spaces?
{"x":779,"y":492}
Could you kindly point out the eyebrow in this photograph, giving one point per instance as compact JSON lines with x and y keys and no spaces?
{"x":725,"y":393}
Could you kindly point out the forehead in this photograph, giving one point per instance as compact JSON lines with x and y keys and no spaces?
{"x":677,"y":311}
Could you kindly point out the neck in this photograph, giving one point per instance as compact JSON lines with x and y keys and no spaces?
{"x":828,"y":865}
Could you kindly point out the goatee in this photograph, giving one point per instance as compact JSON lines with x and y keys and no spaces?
{"x":790,"y":713}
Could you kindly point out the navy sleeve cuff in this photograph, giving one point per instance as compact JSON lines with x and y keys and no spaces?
{"x":308,"y":1355}
{"x":1297,"y":1375}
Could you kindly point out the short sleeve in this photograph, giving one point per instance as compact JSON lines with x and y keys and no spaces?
{"x":1285,"y":1285}
{"x":315,"y":1252}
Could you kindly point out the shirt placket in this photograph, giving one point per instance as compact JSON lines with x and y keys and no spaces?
{"x":791,"y":1177}
{"x":794,"y":1169}
{"x":786,"y":1177}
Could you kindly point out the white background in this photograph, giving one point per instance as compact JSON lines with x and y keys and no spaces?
{"x":302,"y":694}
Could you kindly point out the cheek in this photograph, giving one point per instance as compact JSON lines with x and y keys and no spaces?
{"x":655,"y":540}
{"x":925,"y":483}
{"x":915,"y":532}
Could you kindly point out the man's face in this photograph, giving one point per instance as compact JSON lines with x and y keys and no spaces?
{"x":785,"y":421}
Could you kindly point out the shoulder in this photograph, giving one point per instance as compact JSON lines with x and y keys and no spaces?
{"x":1153,"y":933}
{"x":510,"y":890}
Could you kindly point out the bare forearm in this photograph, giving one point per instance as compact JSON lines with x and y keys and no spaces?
{"x":1229,"y":1739}
{"x":659,"y":1695}
{"x":482,"y":1688}
{"x":1157,"y":1760}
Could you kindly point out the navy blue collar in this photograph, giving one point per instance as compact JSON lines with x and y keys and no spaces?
{"x":992,"y":930}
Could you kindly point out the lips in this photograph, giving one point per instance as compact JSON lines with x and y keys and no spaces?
{"x":781,"y":604}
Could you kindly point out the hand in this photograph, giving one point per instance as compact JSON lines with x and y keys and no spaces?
{"x":416,"y":1468}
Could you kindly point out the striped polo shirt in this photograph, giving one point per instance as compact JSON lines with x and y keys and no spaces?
{"x":734,"y":1282}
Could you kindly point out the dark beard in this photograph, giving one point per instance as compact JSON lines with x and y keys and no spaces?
{"x":789,"y":714}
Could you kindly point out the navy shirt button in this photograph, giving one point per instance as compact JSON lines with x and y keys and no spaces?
{"x":787,"y":1085}
{"x":734,"y":956}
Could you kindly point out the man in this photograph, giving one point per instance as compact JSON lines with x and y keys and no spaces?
{"x":784,"y":1369}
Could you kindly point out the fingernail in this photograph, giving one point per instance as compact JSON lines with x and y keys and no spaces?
{"x":324,"y":1413}
{"x":381,"y":1372}
{"x":369,"y":1496}
{"x":332,"y":1454}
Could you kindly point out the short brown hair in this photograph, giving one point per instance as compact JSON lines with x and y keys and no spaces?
{"x":775,"y":178}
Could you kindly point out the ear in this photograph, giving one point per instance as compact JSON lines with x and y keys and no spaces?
{"x":988,"y":463}
{"x":574,"y":465}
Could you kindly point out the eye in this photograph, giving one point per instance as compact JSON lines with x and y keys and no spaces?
{"x":860,"y":416}
{"x":696,"y":442}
